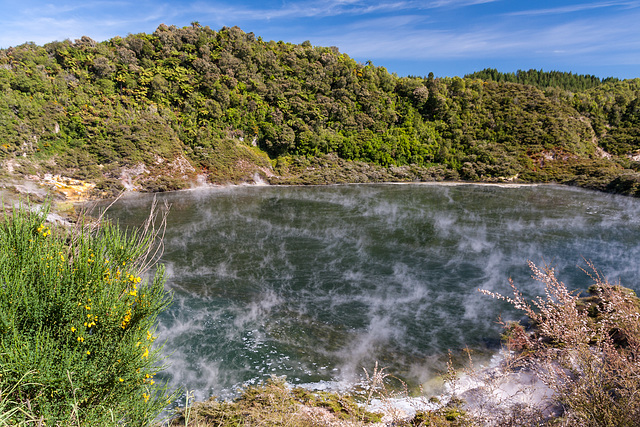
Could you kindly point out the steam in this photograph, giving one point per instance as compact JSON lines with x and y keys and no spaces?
{"x":317,"y":283}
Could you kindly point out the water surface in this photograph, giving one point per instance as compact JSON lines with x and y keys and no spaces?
{"x":316,"y":283}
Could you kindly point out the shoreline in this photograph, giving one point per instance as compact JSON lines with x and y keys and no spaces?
{"x":69,"y":193}
{"x":70,"y":202}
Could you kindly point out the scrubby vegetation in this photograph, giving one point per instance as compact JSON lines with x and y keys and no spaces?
{"x":77,"y":324}
{"x":228,"y":105}
{"x":586,"y":349}
{"x":276,"y":404}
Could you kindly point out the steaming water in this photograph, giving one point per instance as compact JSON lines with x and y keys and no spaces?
{"x":316,"y":283}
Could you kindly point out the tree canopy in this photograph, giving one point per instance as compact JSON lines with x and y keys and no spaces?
{"x":218,"y":99}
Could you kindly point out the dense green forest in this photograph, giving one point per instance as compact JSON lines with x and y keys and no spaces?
{"x":542,"y":79}
{"x":157,"y":111}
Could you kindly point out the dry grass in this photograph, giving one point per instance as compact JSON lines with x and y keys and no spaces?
{"x":276,"y":404}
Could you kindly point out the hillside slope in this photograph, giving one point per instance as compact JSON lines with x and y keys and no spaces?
{"x":163,"y":111}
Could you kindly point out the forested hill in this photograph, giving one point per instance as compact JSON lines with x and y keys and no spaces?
{"x":159,"y":111}
{"x":543,"y":79}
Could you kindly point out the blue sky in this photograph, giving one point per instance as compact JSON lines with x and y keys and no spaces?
{"x":446,"y":37}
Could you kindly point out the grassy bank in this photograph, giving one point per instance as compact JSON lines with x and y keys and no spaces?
{"x":277,"y":404}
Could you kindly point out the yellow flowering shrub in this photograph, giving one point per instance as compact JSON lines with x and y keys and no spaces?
{"x":77,"y":323}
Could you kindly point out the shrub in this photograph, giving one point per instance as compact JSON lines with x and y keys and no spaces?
{"x":587,"y":349}
{"x":77,"y":322}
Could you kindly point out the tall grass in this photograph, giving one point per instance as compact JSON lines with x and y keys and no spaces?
{"x":77,"y":323}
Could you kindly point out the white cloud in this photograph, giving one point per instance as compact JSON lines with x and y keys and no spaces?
{"x":306,"y":9}
{"x":456,"y":3}
{"x":70,"y":20}
{"x":582,"y":41}
{"x":575,"y":8}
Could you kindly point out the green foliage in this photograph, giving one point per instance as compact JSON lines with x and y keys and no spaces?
{"x":77,"y":323}
{"x":147,"y":98}
{"x":543,"y":79}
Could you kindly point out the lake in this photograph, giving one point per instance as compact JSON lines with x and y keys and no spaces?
{"x":317,"y":283}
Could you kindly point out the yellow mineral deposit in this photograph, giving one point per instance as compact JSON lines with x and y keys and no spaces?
{"x":74,"y":190}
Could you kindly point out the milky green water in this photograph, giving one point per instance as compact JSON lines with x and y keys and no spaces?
{"x":316,"y":283}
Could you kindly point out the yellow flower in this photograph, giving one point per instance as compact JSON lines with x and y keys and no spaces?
{"x":134,"y":279}
{"x":44,"y":231}
{"x":146,"y":397}
{"x":121,"y":380}
{"x":146,"y":353}
{"x":81,"y":339}
{"x":88,"y":352}
{"x":73,"y":329}
{"x":126,"y":320}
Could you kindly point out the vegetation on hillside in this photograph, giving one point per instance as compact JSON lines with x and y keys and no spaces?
{"x":543,"y":79}
{"x":228,"y":105}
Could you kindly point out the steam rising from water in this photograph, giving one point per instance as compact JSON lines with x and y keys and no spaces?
{"x":316,"y":283}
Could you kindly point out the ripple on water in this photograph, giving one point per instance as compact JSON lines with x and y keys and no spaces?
{"x":316,"y":283}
